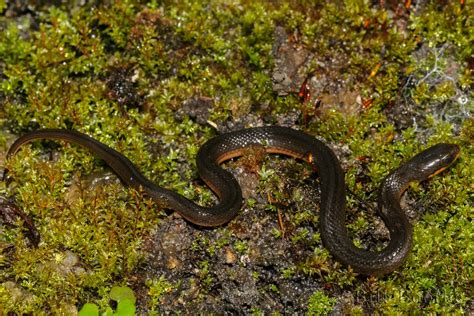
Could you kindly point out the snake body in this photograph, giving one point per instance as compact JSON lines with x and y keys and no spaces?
{"x":297,"y":144}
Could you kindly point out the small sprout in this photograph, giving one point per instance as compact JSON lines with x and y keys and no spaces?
{"x":157,"y":288}
{"x":240,"y":246}
{"x":277,"y":233}
{"x":125,"y":299}
{"x":251,"y":202}
{"x":255,"y":275}
{"x":122,"y":293}
{"x":266,"y":174}
{"x":320,"y":304}
{"x":274,"y":288}
{"x":89,"y":309}
{"x":288,"y":272}
{"x":300,"y":235}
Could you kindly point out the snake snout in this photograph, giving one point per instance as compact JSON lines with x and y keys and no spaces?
{"x":436,"y":158}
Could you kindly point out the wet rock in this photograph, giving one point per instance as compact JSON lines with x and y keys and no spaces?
{"x":170,"y":246}
{"x":289,"y":118}
{"x":249,"y":120}
{"x":248,"y":183}
{"x":18,"y":294}
{"x":290,"y":63}
{"x":294,"y":294}
{"x":380,"y":230}
{"x":197,"y":109}
{"x":238,"y":286}
{"x":320,"y":82}
{"x":123,"y":87}
{"x":64,"y":263}
{"x":84,"y":187}
{"x":344,"y":305}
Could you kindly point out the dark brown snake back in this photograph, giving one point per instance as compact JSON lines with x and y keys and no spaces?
{"x":297,"y":144}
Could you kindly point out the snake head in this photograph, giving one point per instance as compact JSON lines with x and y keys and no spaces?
{"x":435,"y":159}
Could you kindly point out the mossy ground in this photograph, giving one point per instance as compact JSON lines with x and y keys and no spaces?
{"x":123,"y":74}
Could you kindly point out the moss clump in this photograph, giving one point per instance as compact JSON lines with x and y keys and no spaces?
{"x":320,"y":304}
{"x":157,"y":288}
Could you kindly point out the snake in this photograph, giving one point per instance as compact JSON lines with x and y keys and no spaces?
{"x":289,"y":142}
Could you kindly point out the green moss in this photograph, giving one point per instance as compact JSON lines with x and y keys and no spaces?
{"x":157,"y":288}
{"x":241,"y":246}
{"x":320,"y":304}
{"x":205,"y":275}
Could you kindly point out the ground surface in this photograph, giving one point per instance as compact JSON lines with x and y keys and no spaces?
{"x":378,"y":81}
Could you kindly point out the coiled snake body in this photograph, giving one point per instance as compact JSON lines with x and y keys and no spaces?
{"x":297,"y":144}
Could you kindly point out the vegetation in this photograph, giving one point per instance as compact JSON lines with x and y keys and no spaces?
{"x":125,"y":299}
{"x":125,"y":73}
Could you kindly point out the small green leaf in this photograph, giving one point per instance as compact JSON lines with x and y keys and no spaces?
{"x":120,"y":293}
{"x":108,"y":311}
{"x":89,"y":309}
{"x":126,"y":307}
